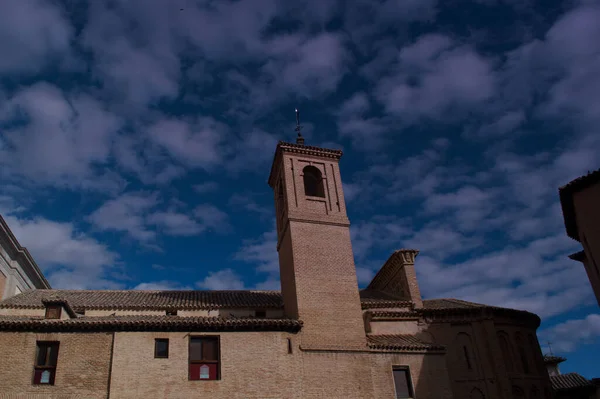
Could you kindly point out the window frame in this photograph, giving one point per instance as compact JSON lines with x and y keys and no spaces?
{"x":156,"y":341}
{"x":409,"y":383}
{"x":50,"y":309}
{"x":215,"y":338}
{"x":315,"y":177}
{"x":52,"y":368}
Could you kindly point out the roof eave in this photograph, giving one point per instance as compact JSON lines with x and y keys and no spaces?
{"x":24,"y":254}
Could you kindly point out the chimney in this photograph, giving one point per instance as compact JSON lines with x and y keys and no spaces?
{"x":397,"y":277}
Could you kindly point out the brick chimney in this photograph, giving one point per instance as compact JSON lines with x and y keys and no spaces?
{"x":397,"y":277}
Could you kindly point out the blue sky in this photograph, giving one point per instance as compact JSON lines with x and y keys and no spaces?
{"x":136,"y":139}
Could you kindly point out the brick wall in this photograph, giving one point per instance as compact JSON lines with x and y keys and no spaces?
{"x":257,"y":365}
{"x":318,"y":276}
{"x":81,"y":372}
{"x":588,"y":223}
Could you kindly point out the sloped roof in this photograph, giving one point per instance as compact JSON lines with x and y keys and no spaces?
{"x":148,"y":300}
{"x":147,"y":323}
{"x":400,"y":342}
{"x":205,"y":300}
{"x":569,"y":381}
{"x":33,"y":270}
{"x":566,"y":200}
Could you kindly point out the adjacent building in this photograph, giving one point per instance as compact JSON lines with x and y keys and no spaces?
{"x":18,"y":271}
{"x":570,"y":385}
{"x":319,"y":337}
{"x":580,"y":201}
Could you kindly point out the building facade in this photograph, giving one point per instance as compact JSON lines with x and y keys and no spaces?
{"x":580,"y":201}
{"x":18,"y":270}
{"x":319,"y":337}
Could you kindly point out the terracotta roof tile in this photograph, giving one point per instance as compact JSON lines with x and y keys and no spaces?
{"x":400,"y":342}
{"x":149,"y":300}
{"x":378,"y":299}
{"x":147,"y":323}
{"x":195,"y":300}
{"x":569,"y":381}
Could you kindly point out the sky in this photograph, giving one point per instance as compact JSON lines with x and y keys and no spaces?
{"x":136,"y":139}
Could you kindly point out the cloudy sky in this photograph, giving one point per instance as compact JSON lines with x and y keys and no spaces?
{"x":136,"y":138}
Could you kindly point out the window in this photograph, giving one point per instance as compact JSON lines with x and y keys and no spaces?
{"x":161,"y":348}
{"x":522,"y":355}
{"x":46,"y":355}
{"x":464,"y":355}
{"x":506,"y":351}
{"x":204,"y":358}
{"x":53,"y":312}
{"x":517,"y":393}
{"x":313,"y":182}
{"x":260,"y":313}
{"x":467,"y":358}
{"x":402,"y":383}
{"x":172,"y":312}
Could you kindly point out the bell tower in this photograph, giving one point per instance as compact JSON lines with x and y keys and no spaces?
{"x":318,"y":275}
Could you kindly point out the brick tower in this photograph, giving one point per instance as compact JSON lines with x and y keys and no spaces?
{"x":318,"y":276}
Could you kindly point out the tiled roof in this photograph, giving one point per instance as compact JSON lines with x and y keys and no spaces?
{"x":147,"y":323}
{"x":196,"y":300}
{"x":378,"y":299}
{"x":149,"y":300}
{"x":393,"y":315}
{"x":400,"y":342}
{"x":452,"y":304}
{"x":569,"y":381}
{"x":566,"y":200}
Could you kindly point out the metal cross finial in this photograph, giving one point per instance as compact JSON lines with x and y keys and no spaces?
{"x":299,"y":139}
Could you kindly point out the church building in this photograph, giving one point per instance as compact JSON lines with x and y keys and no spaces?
{"x":319,"y":337}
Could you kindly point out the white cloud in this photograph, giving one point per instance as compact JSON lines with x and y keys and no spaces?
{"x":262,"y":252}
{"x":196,"y":144}
{"x":225,"y":279}
{"x":61,"y":140}
{"x":163,"y":285}
{"x":174,"y":223}
{"x":126,"y":213}
{"x":567,"y":336}
{"x":433,"y":76}
{"x":68,"y":257}
{"x":34,"y":33}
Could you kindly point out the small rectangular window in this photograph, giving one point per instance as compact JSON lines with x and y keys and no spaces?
{"x":172,"y":312}
{"x":46,"y":356}
{"x":204,"y":358}
{"x":161,"y":348}
{"x":53,"y":312}
{"x":403,"y":383}
{"x":261,"y":313}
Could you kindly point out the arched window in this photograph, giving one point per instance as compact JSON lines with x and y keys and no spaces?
{"x":313,"y":182}
{"x":535,"y":393}
{"x":464,"y":353}
{"x":517,"y":393}
{"x":476,"y":394}
{"x":522,"y":354}
{"x":507,"y":353}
